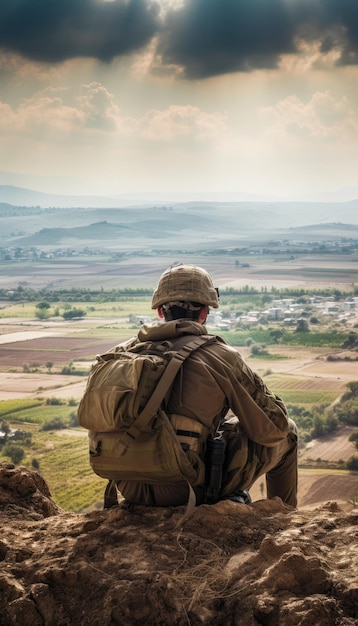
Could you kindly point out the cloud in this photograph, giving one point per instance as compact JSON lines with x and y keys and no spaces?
{"x":55,"y":113}
{"x":212,"y":37}
{"x":97,"y":106}
{"x":43,"y":112}
{"x":57,"y":30}
{"x":181,"y":121}
{"x":193,"y":38}
{"x":322,"y":118}
{"x":202,"y":38}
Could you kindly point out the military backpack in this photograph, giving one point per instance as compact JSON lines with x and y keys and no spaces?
{"x":131,"y":436}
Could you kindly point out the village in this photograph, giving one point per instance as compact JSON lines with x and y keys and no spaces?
{"x":300,"y":312}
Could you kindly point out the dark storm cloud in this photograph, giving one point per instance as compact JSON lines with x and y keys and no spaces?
{"x":55,"y":30}
{"x":210,"y":37}
{"x":205,"y":37}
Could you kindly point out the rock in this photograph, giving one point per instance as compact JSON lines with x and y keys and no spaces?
{"x":230,"y":564}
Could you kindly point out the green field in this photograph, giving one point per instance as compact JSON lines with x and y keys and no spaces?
{"x":124,"y":308}
{"x":65,"y":467}
{"x":61,"y":457}
{"x":309,"y":398}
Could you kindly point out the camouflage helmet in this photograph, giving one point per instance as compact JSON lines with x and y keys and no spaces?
{"x":185,"y":283}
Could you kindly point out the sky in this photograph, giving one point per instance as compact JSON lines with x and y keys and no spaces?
{"x":251,"y":97}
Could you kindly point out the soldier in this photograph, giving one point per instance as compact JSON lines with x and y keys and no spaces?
{"x":218,"y":389}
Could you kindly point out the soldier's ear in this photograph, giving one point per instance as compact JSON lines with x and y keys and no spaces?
{"x":160,"y":312}
{"x":203,"y":314}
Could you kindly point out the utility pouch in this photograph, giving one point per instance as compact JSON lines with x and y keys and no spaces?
{"x":214,"y":462}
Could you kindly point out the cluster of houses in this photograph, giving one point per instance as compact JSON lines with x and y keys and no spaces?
{"x":287,"y":312}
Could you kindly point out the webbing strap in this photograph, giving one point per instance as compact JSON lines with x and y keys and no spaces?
{"x":163,"y":386}
{"x":190,"y":507}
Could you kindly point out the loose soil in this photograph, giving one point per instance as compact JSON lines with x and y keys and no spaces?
{"x":229,"y":564}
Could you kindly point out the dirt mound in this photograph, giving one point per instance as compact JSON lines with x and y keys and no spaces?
{"x":230,"y":564}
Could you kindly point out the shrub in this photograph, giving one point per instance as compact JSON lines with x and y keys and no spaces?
{"x":73,"y":419}
{"x":347,"y":413}
{"x":352,"y":463}
{"x":353,"y":437}
{"x":255,"y":349}
{"x":57,"y":423}
{"x":42,"y":314}
{"x":318,"y":429}
{"x":54,"y":401}
{"x":353,"y":389}
{"x":73,"y":313}
{"x":16,"y":453}
{"x":301,"y":326}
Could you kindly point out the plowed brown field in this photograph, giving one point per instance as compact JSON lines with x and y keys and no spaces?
{"x":59,"y":350}
{"x":316,"y":486}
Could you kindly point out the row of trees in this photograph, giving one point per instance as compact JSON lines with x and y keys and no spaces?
{"x":84,"y":294}
{"x":43,"y":311}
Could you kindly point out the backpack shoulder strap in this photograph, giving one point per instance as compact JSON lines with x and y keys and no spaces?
{"x":163,"y":385}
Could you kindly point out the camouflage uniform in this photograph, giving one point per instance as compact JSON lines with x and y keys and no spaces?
{"x":216,"y":387}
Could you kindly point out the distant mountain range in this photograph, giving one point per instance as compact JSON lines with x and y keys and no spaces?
{"x":20,"y":196}
{"x":29,"y":218}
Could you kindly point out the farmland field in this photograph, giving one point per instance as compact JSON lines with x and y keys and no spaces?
{"x":304,"y":372}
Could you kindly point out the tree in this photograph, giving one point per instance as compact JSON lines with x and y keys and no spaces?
{"x":5,"y":428}
{"x":73,"y":313}
{"x":353,"y":388}
{"x":49,"y":366}
{"x":351,"y":341}
{"x":331,"y":423}
{"x":353,"y":437}
{"x":41,"y":314}
{"x":301,"y":326}
{"x":318,"y":429}
{"x":276,"y":334}
{"x":35,"y":464}
{"x":266,"y":299}
{"x":15,"y":453}
{"x":352,"y":463}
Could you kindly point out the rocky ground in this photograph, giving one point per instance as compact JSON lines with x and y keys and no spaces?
{"x":229,"y":565}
